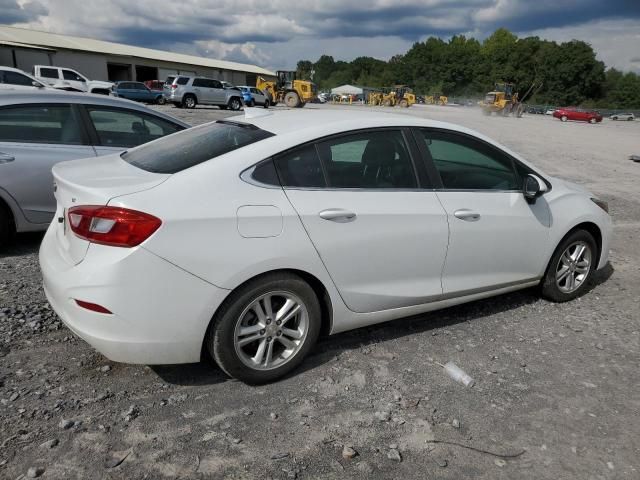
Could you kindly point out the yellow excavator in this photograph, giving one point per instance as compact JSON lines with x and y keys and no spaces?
{"x":288,"y":89}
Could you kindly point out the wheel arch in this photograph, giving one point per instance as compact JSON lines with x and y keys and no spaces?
{"x":326,"y":305}
{"x":590,"y":227}
{"x":7,"y":207}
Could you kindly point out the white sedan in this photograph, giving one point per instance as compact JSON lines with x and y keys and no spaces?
{"x":248,"y":237}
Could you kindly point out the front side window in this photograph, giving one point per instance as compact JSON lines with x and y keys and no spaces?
{"x":193,"y":146}
{"x":467,"y":164}
{"x":70,"y":75}
{"x":126,"y":128}
{"x":300,"y":168}
{"x":375,"y":159}
{"x":56,"y":124}
{"x":15,"y":78}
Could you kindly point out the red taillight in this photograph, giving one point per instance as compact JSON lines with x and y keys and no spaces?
{"x":114,"y":226}
{"x":174,"y":86}
{"x":94,"y":307}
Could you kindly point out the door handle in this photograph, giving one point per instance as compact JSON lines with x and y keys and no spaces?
{"x":6,"y":158}
{"x":466,"y":214}
{"x":337,"y":215}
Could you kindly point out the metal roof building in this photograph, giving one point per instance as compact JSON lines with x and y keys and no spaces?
{"x":100,"y":60}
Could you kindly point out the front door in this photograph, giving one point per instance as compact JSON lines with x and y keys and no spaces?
{"x":382,"y":237}
{"x":496,"y":237}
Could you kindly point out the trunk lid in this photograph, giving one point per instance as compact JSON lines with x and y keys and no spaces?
{"x":93,"y":181}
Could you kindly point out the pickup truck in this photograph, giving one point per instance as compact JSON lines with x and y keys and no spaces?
{"x":189,"y":91}
{"x":68,"y":79}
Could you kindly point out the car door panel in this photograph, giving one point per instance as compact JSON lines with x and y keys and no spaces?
{"x":506,"y":243}
{"x":28,"y":176}
{"x":389,"y":255}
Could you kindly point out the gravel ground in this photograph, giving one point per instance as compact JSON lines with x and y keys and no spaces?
{"x":556,"y":392}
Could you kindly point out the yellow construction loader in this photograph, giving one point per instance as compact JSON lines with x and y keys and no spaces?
{"x":503,"y":100}
{"x":288,"y":89}
{"x":400,"y":95}
{"x":436,"y":99}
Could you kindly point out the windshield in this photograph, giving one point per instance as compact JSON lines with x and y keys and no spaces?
{"x":489,"y":98}
{"x":174,"y":153}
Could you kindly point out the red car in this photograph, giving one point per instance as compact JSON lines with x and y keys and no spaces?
{"x":579,"y":114}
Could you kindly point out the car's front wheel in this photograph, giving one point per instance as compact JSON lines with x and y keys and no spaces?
{"x":570,"y":267}
{"x":563,"y":118}
{"x":189,"y":101}
{"x":235,"y":104}
{"x":592,"y":120}
{"x":265,"y":328}
{"x":266,"y":103}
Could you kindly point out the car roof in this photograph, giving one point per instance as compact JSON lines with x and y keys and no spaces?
{"x":11,"y":69}
{"x":19,"y":97}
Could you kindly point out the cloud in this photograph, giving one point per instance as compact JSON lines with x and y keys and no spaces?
{"x":12,"y":11}
{"x":277,"y":33}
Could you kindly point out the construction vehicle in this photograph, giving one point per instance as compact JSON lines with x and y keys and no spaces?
{"x":436,"y":99}
{"x":505,"y":100}
{"x":288,"y":89}
{"x":400,"y":95}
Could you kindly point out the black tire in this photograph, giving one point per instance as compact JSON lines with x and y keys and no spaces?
{"x":234,"y":104}
{"x":7,"y":228}
{"x":221,"y":336}
{"x":550,"y":288}
{"x":563,"y":118}
{"x":592,"y":120}
{"x":189,"y":101}
{"x":161,"y":101}
{"x":252,"y":103}
{"x":266,"y":103}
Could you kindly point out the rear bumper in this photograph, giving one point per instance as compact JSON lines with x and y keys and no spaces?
{"x":160,"y":312}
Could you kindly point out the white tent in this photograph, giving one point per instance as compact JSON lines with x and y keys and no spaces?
{"x":347,"y":90}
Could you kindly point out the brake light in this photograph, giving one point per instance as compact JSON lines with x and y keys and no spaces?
{"x":174,"y":86}
{"x":113,"y":226}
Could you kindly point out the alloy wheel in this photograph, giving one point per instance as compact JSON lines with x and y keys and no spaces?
{"x":271,"y":330}
{"x":573,"y":267}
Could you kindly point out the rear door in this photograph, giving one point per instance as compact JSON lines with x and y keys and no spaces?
{"x":33,"y":138}
{"x":50,"y":76}
{"x":381,"y":234}
{"x":218,"y":93}
{"x":496,"y":237}
{"x":116,"y":129}
{"x":74,"y":80}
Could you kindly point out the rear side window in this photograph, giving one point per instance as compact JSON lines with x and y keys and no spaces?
{"x":169,"y":80}
{"x":127,"y":128}
{"x":49,"y":72}
{"x":182,"y":80}
{"x":375,"y":159}
{"x":194,"y":146}
{"x":301,"y":168}
{"x":40,"y":124}
{"x":200,"y":82}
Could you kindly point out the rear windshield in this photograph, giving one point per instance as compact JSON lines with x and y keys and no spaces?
{"x":174,"y":153}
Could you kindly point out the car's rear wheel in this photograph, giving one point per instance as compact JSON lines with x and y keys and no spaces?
{"x":563,"y":118}
{"x":266,"y":103}
{"x":161,"y":101}
{"x":189,"y":101}
{"x":265,"y":328}
{"x":570,"y":267}
{"x":592,"y":120}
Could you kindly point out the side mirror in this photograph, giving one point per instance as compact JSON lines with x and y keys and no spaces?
{"x":534,"y":187}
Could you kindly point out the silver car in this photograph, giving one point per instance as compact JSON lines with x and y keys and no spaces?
{"x":188,"y":92}
{"x":40,"y":129}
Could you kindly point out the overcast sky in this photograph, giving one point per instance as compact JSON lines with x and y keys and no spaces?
{"x":278,"y":33}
